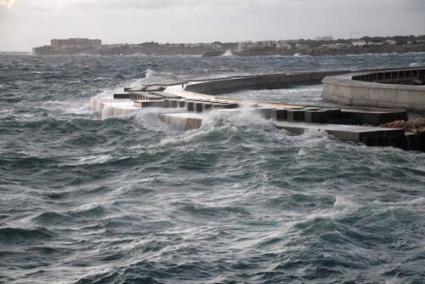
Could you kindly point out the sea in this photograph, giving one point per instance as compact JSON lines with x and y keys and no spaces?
{"x":132,"y":200}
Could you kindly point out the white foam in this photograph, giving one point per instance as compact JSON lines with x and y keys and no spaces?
{"x":245,"y":115}
{"x":218,"y":120}
{"x":342,"y":207}
{"x":416,"y":64}
{"x":107,"y":107}
{"x":149,"y":74}
{"x":118,"y":109}
{"x":105,"y":104}
{"x":71,"y":107}
{"x":91,"y":160}
{"x":149,"y":118}
{"x":152,"y":77}
{"x":97,"y":103}
{"x":228,"y":53}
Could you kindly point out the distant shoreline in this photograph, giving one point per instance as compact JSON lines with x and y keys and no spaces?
{"x":318,"y":47}
{"x":15,"y":53}
{"x":12,"y":53}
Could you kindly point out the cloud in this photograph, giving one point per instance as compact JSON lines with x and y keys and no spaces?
{"x":7,"y":3}
{"x":154,"y":4}
{"x":34,"y":22}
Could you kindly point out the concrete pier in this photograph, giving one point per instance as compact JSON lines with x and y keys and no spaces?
{"x":188,"y":107}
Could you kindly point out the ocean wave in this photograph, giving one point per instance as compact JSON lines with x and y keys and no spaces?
{"x":11,"y":235}
{"x":152,"y":77}
{"x":198,"y":211}
{"x":133,"y":199}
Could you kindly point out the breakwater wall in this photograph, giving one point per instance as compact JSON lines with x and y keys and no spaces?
{"x":190,"y":106}
{"x":402,"y":88}
{"x":258,"y":82}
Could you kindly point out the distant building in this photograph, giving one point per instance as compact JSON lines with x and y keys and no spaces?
{"x":337,"y":45}
{"x":260,"y":45}
{"x":283,"y":45}
{"x":325,"y":38}
{"x":375,"y":43}
{"x":244,"y":45}
{"x":267,"y":44}
{"x":302,"y":46}
{"x":75,"y":43}
{"x":216,"y":45}
{"x":359,"y":43}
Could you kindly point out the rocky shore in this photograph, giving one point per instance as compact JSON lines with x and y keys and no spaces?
{"x":414,"y":126}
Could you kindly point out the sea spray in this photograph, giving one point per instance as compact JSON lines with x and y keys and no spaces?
{"x":118,"y":110}
{"x":228,"y":53}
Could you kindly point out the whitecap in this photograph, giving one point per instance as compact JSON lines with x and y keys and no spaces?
{"x":68,"y":107}
{"x":228,"y":53}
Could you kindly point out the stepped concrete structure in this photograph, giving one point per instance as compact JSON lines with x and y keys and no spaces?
{"x":188,"y":105}
{"x":393,"y":88}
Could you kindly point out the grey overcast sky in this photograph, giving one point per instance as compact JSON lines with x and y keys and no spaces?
{"x":28,"y":23}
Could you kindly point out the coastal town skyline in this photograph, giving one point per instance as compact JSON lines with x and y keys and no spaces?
{"x":319,"y":46}
{"x":25,"y":24}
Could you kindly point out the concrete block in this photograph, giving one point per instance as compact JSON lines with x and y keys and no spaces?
{"x":229,"y":105}
{"x":370,"y":136}
{"x":136,"y":96}
{"x":199,"y":106}
{"x":415,"y":141}
{"x":207,"y":106}
{"x":384,"y":138}
{"x":122,"y":96}
{"x":372,"y":117}
{"x":190,"y":105}
{"x":144,"y":103}
{"x":155,"y":88}
{"x":296,"y":115}
{"x":145,"y":96}
{"x":167,"y":103}
{"x":185,"y":121}
{"x":322,"y":115}
{"x":193,"y":123}
{"x":358,"y":93}
{"x":151,"y":96}
{"x":280,"y":114}
{"x":266,"y":113}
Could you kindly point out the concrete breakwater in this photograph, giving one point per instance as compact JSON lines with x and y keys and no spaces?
{"x":394,"y":88}
{"x":188,"y":108}
{"x":258,"y":82}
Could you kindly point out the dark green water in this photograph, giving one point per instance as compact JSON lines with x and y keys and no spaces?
{"x":133,"y":201}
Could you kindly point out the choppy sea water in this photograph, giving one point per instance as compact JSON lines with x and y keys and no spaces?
{"x":130,"y":200}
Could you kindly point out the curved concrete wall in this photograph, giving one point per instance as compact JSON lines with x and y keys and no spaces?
{"x":257,"y":82}
{"x":343,"y":89}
